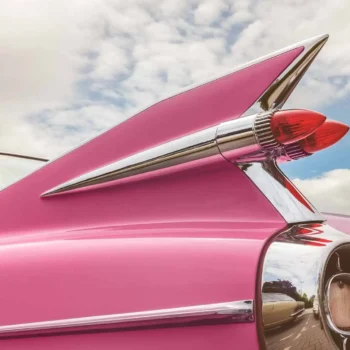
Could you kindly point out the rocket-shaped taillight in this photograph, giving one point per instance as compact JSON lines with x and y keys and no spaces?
{"x":292,"y":125}
{"x":324,"y":136}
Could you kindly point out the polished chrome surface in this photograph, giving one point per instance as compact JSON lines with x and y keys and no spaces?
{"x":233,"y":139}
{"x":247,"y":141}
{"x":236,"y":138}
{"x":277,"y":93}
{"x":281,"y":192}
{"x":298,"y":267}
{"x":272,"y":97}
{"x":263,"y":131}
{"x":229,"y":312}
{"x":294,"y":152}
{"x":307,"y":44}
{"x":199,"y":145}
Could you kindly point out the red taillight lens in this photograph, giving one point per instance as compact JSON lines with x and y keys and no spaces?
{"x":292,"y":125}
{"x":326,"y":135}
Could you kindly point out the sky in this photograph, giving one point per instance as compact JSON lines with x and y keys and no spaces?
{"x":71,"y":69}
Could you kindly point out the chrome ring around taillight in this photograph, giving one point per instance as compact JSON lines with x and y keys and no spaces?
{"x":294,"y":151}
{"x":297,"y":268}
{"x":263,"y":131}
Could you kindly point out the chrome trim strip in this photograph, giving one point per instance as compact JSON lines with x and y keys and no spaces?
{"x":307,"y":44}
{"x":281,"y":192}
{"x":233,"y":139}
{"x":196,"y":146}
{"x":278,"y":93}
{"x":232,"y":312}
{"x":234,"y":136}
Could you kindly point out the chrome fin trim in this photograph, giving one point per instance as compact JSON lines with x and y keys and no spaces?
{"x":281,"y":192}
{"x":235,"y":140}
{"x":196,"y":146}
{"x":229,"y":312}
{"x":307,"y":44}
{"x":278,"y":92}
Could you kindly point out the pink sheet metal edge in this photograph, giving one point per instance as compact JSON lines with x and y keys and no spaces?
{"x":97,"y":208}
{"x":134,"y":135}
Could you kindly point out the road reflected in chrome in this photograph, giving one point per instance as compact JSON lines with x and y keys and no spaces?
{"x":305,"y":332}
{"x":296,"y":269}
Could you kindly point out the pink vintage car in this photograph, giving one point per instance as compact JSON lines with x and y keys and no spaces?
{"x":176,"y":229}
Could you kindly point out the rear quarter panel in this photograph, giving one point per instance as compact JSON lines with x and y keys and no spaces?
{"x":98,"y":272}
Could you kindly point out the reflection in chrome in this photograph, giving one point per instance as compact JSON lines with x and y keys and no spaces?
{"x":302,"y":289}
{"x":289,"y":75}
{"x":280,"y":308}
{"x":293,"y":152}
{"x":278,"y":93}
{"x":281,"y":192}
{"x":234,"y":138}
{"x":230,"y":312}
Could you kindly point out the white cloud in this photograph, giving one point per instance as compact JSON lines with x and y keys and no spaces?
{"x":329,"y":192}
{"x":209,"y":11}
{"x":71,"y":68}
{"x":111,"y":60}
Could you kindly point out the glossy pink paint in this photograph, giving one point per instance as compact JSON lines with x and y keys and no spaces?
{"x":340,"y":222}
{"x":103,"y":272}
{"x":186,"y":236}
{"x":108,"y":276}
{"x":158,"y":198}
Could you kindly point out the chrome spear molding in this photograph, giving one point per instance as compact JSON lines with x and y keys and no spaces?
{"x":242,"y":141}
{"x":230,"y":312}
{"x":233,"y":139}
{"x":281,"y":193}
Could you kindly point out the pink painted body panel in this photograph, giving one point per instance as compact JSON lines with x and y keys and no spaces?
{"x":340,"y":222}
{"x":186,"y":236}
{"x":98,"y":272}
{"x":196,"y":109}
{"x":121,"y":275}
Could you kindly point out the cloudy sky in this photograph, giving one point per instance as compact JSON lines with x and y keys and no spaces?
{"x":72,"y":68}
